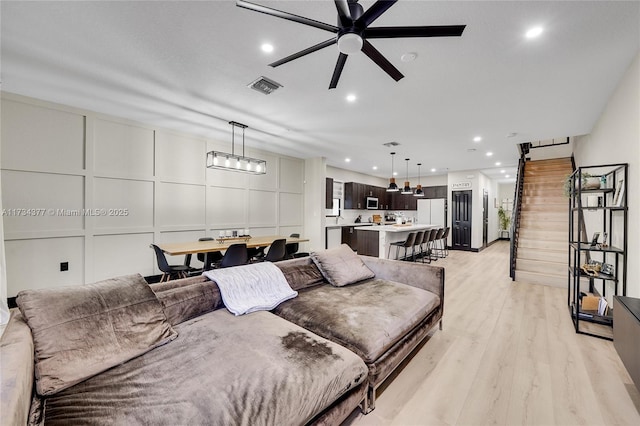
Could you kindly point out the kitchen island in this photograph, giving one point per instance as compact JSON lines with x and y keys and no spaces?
{"x":375,"y":240}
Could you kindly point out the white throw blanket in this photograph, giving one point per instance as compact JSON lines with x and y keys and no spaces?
{"x":250,"y":288}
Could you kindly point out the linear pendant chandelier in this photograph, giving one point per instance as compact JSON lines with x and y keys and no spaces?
{"x":233,"y":162}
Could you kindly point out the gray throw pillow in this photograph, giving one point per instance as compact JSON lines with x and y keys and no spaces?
{"x":341,"y":266}
{"x":81,"y":331}
{"x":301,"y":276}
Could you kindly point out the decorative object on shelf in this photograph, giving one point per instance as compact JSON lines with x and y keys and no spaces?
{"x":588,"y":182}
{"x":392,"y":181}
{"x":419,"y":192}
{"x":233,"y":161}
{"x":619,"y":194}
{"x":407,"y":186}
{"x":594,"y":239}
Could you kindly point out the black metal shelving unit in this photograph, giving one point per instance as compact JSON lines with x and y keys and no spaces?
{"x":610,"y":216}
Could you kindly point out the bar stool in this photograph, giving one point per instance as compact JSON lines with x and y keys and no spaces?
{"x":408,"y":243}
{"x":430,"y":242}
{"x":439,"y":252}
{"x":445,"y":237}
{"x":418,"y":243}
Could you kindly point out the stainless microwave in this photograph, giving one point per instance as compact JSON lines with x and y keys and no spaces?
{"x":372,"y":203}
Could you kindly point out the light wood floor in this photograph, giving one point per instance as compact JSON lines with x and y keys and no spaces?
{"x":508,"y":355}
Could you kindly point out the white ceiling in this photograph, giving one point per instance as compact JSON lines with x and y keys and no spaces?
{"x":186,"y":65}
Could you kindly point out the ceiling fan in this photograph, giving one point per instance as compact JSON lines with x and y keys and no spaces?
{"x":353,"y":32}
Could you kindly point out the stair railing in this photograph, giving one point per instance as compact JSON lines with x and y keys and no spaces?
{"x":515,"y":216}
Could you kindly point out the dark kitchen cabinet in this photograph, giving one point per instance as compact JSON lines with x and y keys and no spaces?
{"x":350,"y":237}
{"x":435,"y":191}
{"x":354,"y":197}
{"x":404,"y":201}
{"x":328,"y":194}
{"x":441,"y":191}
{"x":368,"y":243}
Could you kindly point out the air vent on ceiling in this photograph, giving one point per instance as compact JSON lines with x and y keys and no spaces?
{"x":264,"y":85}
{"x":390,"y":144}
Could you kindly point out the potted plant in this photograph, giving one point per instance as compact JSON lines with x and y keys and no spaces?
{"x":503,"y":219}
{"x":588,"y":182}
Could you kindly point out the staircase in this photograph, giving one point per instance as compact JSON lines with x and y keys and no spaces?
{"x":544,"y":224}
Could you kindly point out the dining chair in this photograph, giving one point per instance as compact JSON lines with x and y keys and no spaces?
{"x":292,"y":249}
{"x":406,"y":244}
{"x":235,"y":255}
{"x":166,"y":269}
{"x":430,"y":241}
{"x":277,"y":251}
{"x":445,"y":238}
{"x":437,"y":243}
{"x":214,"y":257}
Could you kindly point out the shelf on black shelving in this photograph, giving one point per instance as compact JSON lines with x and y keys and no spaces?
{"x":586,"y":246}
{"x":592,"y":316}
{"x":584,"y":191}
{"x":576,"y":209}
{"x":599,"y":275}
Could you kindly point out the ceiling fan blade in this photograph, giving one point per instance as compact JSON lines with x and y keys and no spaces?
{"x":426,"y":31}
{"x":304,"y":52}
{"x":374,"y":12}
{"x":285,"y":15}
{"x":338,"y":70}
{"x":344,"y":13}
{"x":382,"y":62}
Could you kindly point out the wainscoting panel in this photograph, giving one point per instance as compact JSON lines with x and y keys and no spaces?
{"x":226,"y":207}
{"x":290,"y":209}
{"x":290,"y":171}
{"x":56,"y":201}
{"x":180,"y":205}
{"x":262,"y":208}
{"x":180,"y":158}
{"x":123,"y":254}
{"x":35,"y":263}
{"x":49,"y":139}
{"x":123,"y":203}
{"x":122,"y":149}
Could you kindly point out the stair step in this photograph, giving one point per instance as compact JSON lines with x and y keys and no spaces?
{"x":541,"y":279}
{"x":543,"y":234}
{"x":527,"y":242}
{"x":551,"y":161}
{"x":544,"y":199}
{"x":559,"y":226}
{"x":550,"y":207}
{"x":542,"y":266}
{"x":542,"y":254}
{"x":541,"y":216}
{"x":542,"y":192}
{"x":545,"y":178}
{"x":542,"y":185}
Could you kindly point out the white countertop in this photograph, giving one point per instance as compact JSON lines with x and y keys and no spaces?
{"x":396,"y":228}
{"x":340,"y":225}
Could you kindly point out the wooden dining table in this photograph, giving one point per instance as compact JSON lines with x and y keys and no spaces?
{"x":191,"y":247}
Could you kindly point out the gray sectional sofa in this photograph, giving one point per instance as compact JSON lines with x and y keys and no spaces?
{"x":171,"y":353}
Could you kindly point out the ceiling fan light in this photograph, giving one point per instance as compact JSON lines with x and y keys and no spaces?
{"x":349,"y":43}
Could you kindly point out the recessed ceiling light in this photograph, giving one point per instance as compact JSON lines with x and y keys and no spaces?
{"x":498,"y":163}
{"x":433,"y":170}
{"x":506,"y":176}
{"x":348,"y":160}
{"x":502,"y":171}
{"x":395,"y":173}
{"x":489,"y":154}
{"x":267,"y":48}
{"x":408,"y":57}
{"x":351,"y":97}
{"x":375,"y":167}
{"x":533,"y":32}
{"x":477,"y":139}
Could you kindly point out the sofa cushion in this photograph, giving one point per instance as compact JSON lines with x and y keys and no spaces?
{"x":368,"y":317}
{"x":255,"y":369}
{"x":84,"y":330}
{"x":341,"y":266}
{"x":192,"y":299}
{"x":300,"y":276}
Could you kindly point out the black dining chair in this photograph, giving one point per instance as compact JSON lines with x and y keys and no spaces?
{"x":430,"y":241}
{"x":437,"y":243}
{"x":235,"y":255}
{"x":444,"y":240}
{"x":406,"y":244}
{"x":167,"y":270}
{"x":277,"y":251}
{"x":292,"y":249}
{"x":214,"y":257}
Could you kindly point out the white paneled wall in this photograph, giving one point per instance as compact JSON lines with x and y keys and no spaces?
{"x":108,"y":187}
